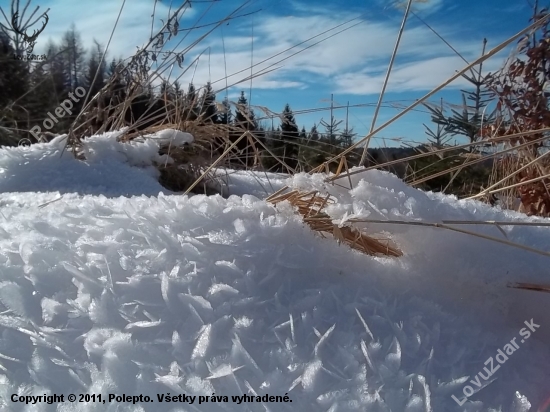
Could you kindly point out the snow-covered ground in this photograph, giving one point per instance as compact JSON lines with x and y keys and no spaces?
{"x":110,"y":284}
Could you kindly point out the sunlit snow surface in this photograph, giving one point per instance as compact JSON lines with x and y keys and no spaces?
{"x":201,"y":295}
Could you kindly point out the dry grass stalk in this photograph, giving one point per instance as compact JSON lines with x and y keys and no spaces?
{"x":530,"y":286}
{"x":311,"y":204}
{"x":466,"y":232}
{"x":459,"y":73}
{"x":494,"y":140}
{"x":522,"y":105}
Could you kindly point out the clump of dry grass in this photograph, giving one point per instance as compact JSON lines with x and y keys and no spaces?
{"x":188,"y":168}
{"x":217,"y":145}
{"x":310,"y":206}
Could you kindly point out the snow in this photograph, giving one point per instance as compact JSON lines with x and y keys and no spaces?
{"x":110,"y":284}
{"x":170,"y":136}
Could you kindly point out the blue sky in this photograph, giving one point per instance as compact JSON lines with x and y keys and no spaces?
{"x":351,"y":65}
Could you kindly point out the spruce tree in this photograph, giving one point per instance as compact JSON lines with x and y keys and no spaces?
{"x":289,"y":137}
{"x":209,"y":112}
{"x":177,"y":91}
{"x":244,"y":120}
{"x":74,"y":55}
{"x":303,"y":134}
{"x":191,"y":110}
{"x":14,"y":83}
{"x":314,"y":134}
{"x":42,"y":100}
{"x":346,"y":137}
{"x":244,"y":117}
{"x":58,"y":70}
{"x":331,"y":131}
{"x":95,"y":70}
{"x":14,"y":74}
{"x":225,"y":117}
{"x":469,"y":120}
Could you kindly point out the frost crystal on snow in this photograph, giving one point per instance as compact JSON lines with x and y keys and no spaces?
{"x":107,"y":289}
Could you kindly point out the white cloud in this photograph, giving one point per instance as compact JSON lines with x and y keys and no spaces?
{"x":416,"y":76}
{"x":96,"y":19}
{"x":353,"y":61}
{"x":418,"y":5}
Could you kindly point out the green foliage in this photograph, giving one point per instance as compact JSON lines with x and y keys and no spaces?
{"x":244,"y":117}
{"x":225,"y":116}
{"x":461,"y":183}
{"x":440,"y":136}
{"x":473,"y":114}
{"x":96,"y":69}
{"x":208,"y":110}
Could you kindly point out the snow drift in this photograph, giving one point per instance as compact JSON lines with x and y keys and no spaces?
{"x":160,"y":294}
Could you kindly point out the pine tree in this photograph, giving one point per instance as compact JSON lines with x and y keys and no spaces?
{"x":57,"y":68}
{"x":74,"y":54}
{"x":42,"y":100}
{"x":14,"y":83}
{"x":312,"y":151}
{"x":191,"y":110}
{"x":469,"y":121}
{"x":439,"y":136}
{"x":167,"y":92}
{"x":209,"y":113}
{"x":225,"y":117}
{"x":114,"y":68}
{"x":331,"y":131}
{"x":289,"y":138}
{"x":14,"y":74}
{"x":314,"y":134}
{"x":95,"y":70}
{"x":244,"y":117}
{"x":177,"y":91}
{"x":346,"y":138}
{"x":303,"y":134}
{"x":244,"y":120}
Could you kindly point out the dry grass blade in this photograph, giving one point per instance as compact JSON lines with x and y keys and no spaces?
{"x":215,"y":163}
{"x":455,"y":229}
{"x":311,"y":204}
{"x":458,"y":74}
{"x":387,"y":78}
{"x":495,"y":222}
{"x":494,"y":140}
{"x":530,"y":286}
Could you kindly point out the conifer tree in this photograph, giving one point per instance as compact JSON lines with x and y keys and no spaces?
{"x":74,"y":55}
{"x":42,"y":99}
{"x":289,"y":137}
{"x":95,"y":70}
{"x":191,"y":111}
{"x":14,"y":74}
{"x":13,"y":84}
{"x":314,"y":134}
{"x":177,"y":91}
{"x":57,"y":68}
{"x":209,"y":111}
{"x":331,"y":131}
{"x":303,"y":134}
{"x":244,"y":116}
{"x":244,"y":120}
{"x":225,"y":117}
{"x":473,"y":115}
